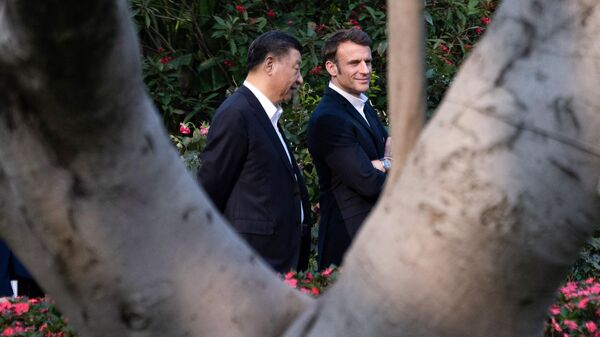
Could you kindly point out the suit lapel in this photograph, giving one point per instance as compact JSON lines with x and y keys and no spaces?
{"x":351,"y":110}
{"x":261,"y":116}
{"x":375,"y":128}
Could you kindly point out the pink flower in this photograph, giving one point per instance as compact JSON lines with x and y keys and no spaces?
{"x":21,"y":308}
{"x":556,"y":326}
{"x":583,"y":303}
{"x":290,"y":275}
{"x":327,"y":272}
{"x":304,"y":291}
{"x":309,"y":276}
{"x":5,"y":305}
{"x":485,"y":20}
{"x":478,"y":30}
{"x":554,"y":309}
{"x":570,"y":324}
{"x":8,"y":332}
{"x":314,"y":291}
{"x":203,"y":130}
{"x":271,"y":13}
{"x":184,"y":129}
{"x":290,"y":22}
{"x":589,"y":280}
{"x":291,"y":282}
{"x":591,"y":326}
{"x":240,"y":8}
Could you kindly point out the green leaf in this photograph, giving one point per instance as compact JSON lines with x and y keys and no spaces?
{"x":183,"y":60}
{"x":428,"y":18}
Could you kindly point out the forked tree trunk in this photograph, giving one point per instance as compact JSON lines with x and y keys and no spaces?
{"x":487,"y":215}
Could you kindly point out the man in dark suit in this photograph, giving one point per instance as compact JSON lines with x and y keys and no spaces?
{"x":12,"y":269}
{"x":348,"y":145}
{"x":247,"y":167}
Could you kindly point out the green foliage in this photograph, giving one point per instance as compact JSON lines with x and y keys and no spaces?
{"x":588,"y":264}
{"x":36,"y":317}
{"x":576,"y":312}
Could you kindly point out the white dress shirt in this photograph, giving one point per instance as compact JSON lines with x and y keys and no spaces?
{"x":357,"y":102}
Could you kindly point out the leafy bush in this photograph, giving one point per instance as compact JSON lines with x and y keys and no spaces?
{"x":35,"y":317}
{"x":311,"y":282}
{"x":577,"y":311}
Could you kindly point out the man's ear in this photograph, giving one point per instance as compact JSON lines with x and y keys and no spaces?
{"x":331,"y":68}
{"x":269,"y":64}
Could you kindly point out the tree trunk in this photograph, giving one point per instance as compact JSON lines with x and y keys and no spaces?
{"x":117,"y":230}
{"x":472,"y":240}
{"x":497,"y":197}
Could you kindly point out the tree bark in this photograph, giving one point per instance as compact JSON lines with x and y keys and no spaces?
{"x":117,"y":230}
{"x":471,"y":240}
{"x":406,"y":102}
{"x":495,"y":200}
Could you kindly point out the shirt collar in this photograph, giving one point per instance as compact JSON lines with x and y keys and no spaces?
{"x":273,"y":111}
{"x":357,"y":102}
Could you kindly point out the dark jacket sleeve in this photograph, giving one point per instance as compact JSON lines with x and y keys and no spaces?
{"x":345,"y":156}
{"x":224,"y":155}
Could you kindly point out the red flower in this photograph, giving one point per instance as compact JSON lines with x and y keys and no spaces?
{"x":316,"y":70}
{"x":485,"y":20}
{"x":184,"y":129}
{"x":357,"y":27}
{"x":228,"y":64}
{"x":161,"y":49}
{"x":353,"y":22}
{"x":448,"y":62}
{"x":444,"y":48}
{"x":290,"y":275}
{"x":271,"y":13}
{"x":290,"y":22}
{"x":166,"y":59}
{"x":240,"y":8}
{"x":478,"y":30}
{"x":314,"y":291}
{"x":21,"y":308}
{"x":327,"y":272}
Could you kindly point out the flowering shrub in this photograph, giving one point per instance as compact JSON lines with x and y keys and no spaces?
{"x":577,"y":310}
{"x":312,"y":283}
{"x":35,"y":317}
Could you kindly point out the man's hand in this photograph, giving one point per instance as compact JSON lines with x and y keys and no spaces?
{"x":378,"y":165}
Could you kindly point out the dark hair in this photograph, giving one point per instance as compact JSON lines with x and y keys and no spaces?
{"x":353,"y":35}
{"x":275,"y":42}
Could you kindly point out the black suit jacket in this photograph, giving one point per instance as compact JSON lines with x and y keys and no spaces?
{"x":246,"y":172}
{"x":342,"y":145}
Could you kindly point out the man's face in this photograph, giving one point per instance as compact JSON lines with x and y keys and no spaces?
{"x":352,"y":70}
{"x":286,"y":76}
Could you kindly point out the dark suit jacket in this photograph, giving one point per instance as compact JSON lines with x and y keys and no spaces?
{"x":342,"y":145}
{"x":246,"y":172}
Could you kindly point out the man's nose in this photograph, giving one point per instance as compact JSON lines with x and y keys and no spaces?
{"x":300,"y":80}
{"x":364,"y":67}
